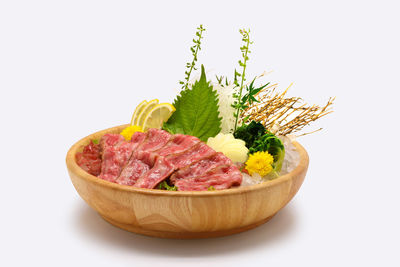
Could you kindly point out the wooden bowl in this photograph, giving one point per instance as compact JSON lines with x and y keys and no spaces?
{"x":173,"y":214}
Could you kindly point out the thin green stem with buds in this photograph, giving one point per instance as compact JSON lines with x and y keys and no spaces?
{"x":194,"y":49}
{"x":245,"y":51}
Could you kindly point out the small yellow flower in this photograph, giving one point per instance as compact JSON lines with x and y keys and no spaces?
{"x":260,"y":162}
{"x":129,"y":131}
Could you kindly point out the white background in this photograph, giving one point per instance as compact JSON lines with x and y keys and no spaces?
{"x":70,"y":68}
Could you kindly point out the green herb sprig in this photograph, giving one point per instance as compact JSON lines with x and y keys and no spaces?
{"x":257,"y":138}
{"x":194,"y":49}
{"x":165,"y":186}
{"x":222,"y":81}
{"x":249,"y":97}
{"x":238,"y":104}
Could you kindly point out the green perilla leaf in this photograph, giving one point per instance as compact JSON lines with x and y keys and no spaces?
{"x":196,"y":111}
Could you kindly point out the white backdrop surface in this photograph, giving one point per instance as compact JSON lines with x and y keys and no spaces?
{"x":69,"y":68}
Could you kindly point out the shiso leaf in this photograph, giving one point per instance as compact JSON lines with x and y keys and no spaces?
{"x":196,"y":111}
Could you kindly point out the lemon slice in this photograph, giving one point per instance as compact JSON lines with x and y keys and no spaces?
{"x":137,"y":112}
{"x":146,"y":109}
{"x":158,"y":115}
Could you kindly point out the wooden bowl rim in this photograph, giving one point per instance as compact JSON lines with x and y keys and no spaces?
{"x":74,"y":168}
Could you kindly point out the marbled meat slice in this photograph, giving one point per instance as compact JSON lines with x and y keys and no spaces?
{"x":155,"y":140}
{"x":90,"y":158}
{"x":178,"y":143}
{"x":138,"y":138}
{"x":149,"y":158}
{"x":201,"y":166}
{"x":114,"y":159}
{"x":187,"y":157}
{"x":161,"y":170}
{"x":222,"y":177}
{"x":108,"y":140}
{"x":139,"y":163}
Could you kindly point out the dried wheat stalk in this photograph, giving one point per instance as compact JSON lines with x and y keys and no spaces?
{"x":284,"y":115}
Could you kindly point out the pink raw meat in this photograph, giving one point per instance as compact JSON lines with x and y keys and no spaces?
{"x":149,"y":158}
{"x":201,"y":166}
{"x":155,"y":140}
{"x":178,"y":143}
{"x":90,"y":158}
{"x":139,"y":163}
{"x":138,"y":138}
{"x":110,"y":140}
{"x":160,"y":171}
{"x":187,"y":157}
{"x":114,"y":159}
{"x":222,"y":177}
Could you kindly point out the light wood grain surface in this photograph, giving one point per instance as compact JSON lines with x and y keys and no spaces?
{"x":172,"y":214}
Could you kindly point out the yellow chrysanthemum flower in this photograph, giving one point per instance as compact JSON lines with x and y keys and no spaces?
{"x":260,"y":162}
{"x":129,"y":131}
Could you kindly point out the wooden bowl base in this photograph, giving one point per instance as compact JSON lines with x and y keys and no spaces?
{"x":184,"y":214}
{"x":183,"y":235}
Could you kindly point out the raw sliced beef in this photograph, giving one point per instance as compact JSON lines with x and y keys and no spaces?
{"x":178,"y":143}
{"x":90,"y":159}
{"x":222,"y":177}
{"x":138,"y":138}
{"x":201,"y":166}
{"x":155,"y":140}
{"x":139,"y":163}
{"x":151,"y":157}
{"x":187,"y":157}
{"x":160,"y":171}
{"x":114,"y":159}
{"x":110,"y":140}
